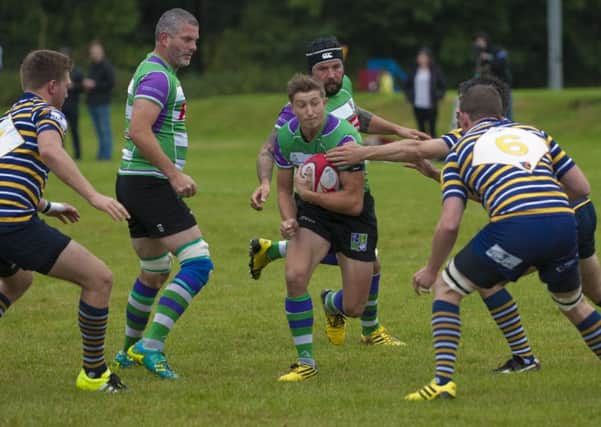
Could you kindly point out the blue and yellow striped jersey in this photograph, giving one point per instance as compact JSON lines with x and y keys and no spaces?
{"x":496,"y":160}
{"x":23,"y":175}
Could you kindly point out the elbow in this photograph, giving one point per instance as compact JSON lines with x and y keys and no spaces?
{"x":134,"y":133}
{"x":357,"y":207}
{"x":48,"y":154}
{"x":450,"y":228}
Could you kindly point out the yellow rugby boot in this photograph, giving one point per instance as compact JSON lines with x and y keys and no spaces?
{"x":381,"y":337}
{"x":258,"y":258}
{"x":434,"y":391}
{"x":298,"y":372}
{"x":335,"y":323}
{"x":107,"y":382}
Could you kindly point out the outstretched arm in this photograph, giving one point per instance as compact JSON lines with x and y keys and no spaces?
{"x":406,"y":150}
{"x":372,"y":123}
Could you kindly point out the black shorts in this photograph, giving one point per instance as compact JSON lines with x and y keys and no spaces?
{"x":32,"y":246}
{"x":155,"y":209}
{"x":586,"y":223}
{"x":354,"y":236}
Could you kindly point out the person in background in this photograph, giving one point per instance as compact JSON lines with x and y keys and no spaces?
{"x":99,"y":85}
{"x":490,"y":60}
{"x":424,"y":88}
{"x":71,"y":105}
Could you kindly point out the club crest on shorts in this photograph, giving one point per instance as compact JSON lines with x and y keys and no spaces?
{"x":359,"y":242}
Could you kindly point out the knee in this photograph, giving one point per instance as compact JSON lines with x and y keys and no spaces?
{"x":296,"y":281}
{"x":104,"y":281}
{"x":153,"y":280}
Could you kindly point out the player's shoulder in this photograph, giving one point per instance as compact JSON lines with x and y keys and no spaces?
{"x":49,"y":113}
{"x":288,"y":129}
{"x":347,"y":84}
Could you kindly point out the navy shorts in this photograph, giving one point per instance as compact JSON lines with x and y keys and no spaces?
{"x":586,"y":221}
{"x":31,"y":246}
{"x":506,"y":249}
{"x":354,"y":236}
{"x":154,"y":207}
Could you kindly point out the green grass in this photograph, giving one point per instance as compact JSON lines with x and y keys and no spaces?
{"x":234,"y":341}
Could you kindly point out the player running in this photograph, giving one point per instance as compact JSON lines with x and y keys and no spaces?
{"x":325,"y":63}
{"x":343,"y":221}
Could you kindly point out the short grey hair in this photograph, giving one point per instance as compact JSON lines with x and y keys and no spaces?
{"x":171,"y":21}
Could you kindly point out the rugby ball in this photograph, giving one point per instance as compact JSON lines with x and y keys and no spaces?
{"x":321,"y":174}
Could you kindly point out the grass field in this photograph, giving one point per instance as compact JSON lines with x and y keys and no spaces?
{"x":233,"y":342}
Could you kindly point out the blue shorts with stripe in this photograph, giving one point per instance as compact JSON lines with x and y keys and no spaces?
{"x":504,"y":250}
{"x":33,"y":245}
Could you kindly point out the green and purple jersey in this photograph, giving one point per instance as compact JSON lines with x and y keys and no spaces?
{"x":292,"y":150}
{"x":155,"y":80}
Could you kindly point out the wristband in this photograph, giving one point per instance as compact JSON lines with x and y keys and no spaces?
{"x":53,"y":207}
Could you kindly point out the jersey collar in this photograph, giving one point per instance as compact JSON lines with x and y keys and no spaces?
{"x":160,"y":60}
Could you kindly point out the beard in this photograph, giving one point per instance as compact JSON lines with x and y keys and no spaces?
{"x":332,"y":87}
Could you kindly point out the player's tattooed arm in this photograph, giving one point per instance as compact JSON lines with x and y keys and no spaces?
{"x":264,"y":173}
{"x":265,"y":159}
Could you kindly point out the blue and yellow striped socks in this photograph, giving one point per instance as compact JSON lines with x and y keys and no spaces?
{"x":590,"y":329}
{"x":92,"y":324}
{"x":446,"y":331}
{"x":504,"y":311}
{"x":299,"y":312}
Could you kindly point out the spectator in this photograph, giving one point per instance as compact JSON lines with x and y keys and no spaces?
{"x":71,"y":105}
{"x":423,"y":88}
{"x":490,"y":60}
{"x":99,"y":85}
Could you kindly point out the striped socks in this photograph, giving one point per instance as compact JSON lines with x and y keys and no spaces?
{"x":299,"y":312}
{"x":139,"y":306}
{"x":277,"y":249}
{"x":369,"y":318}
{"x":175,"y":299}
{"x":446,"y":331}
{"x":590,"y":329}
{"x":4,"y":304}
{"x":504,"y":311}
{"x":92,"y":324}
{"x":333,"y":302}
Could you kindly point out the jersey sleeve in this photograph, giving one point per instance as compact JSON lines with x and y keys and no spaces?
{"x":50,"y":119}
{"x":452,"y":137}
{"x":285,"y":116}
{"x":281,"y":160}
{"x":451,"y":183}
{"x":560,"y":160}
{"x":154,"y":86}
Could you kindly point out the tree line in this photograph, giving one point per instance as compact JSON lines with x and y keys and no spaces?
{"x":255,"y":45}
